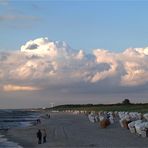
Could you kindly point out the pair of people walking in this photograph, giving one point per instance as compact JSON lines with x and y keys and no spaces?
{"x":40,"y":135}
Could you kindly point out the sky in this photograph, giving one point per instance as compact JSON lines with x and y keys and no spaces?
{"x":66,"y":52}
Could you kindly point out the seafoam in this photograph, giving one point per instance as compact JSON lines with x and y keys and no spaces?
{"x":4,"y":143}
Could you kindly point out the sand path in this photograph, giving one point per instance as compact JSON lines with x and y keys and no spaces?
{"x":75,"y":131}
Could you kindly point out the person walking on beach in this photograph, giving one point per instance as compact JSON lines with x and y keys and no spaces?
{"x":39,"y":136}
{"x":44,"y":135}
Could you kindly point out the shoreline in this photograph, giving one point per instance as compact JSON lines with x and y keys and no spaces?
{"x":6,"y":141}
{"x":25,"y":124}
{"x":14,"y":135}
{"x":20,"y":134}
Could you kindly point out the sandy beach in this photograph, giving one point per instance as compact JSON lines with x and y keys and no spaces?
{"x":75,"y":131}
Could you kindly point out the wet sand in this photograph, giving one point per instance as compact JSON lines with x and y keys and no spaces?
{"x":75,"y":131}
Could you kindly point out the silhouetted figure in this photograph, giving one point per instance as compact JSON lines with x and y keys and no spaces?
{"x":44,"y":135}
{"x":39,"y":136}
{"x":38,"y":121}
{"x":48,"y":116}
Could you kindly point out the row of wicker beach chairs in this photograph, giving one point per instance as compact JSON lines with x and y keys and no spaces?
{"x":136,"y":122}
{"x":133,"y":121}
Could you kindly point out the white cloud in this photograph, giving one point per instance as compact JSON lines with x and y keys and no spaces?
{"x":135,"y":74}
{"x":135,"y":64}
{"x":14,"y":17}
{"x":104,"y":56}
{"x":10,"y":87}
{"x":80,"y":55}
{"x":42,"y":47}
{"x":44,"y":62}
{"x":53,"y":71}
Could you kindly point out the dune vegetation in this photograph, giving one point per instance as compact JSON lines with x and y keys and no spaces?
{"x":124,"y":106}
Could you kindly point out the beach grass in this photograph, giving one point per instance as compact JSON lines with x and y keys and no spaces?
{"x":143,"y":108}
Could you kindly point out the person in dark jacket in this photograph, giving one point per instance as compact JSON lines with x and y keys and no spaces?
{"x":39,"y":136}
{"x":44,"y":135}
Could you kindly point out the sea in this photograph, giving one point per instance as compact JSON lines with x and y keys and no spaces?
{"x":15,"y":118}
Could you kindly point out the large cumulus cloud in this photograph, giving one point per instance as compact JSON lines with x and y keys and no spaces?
{"x":42,"y":63}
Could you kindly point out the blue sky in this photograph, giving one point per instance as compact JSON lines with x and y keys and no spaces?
{"x":83,"y":25}
{"x":103,"y":65}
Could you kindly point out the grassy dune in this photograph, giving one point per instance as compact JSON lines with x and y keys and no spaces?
{"x":112,"y":107}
